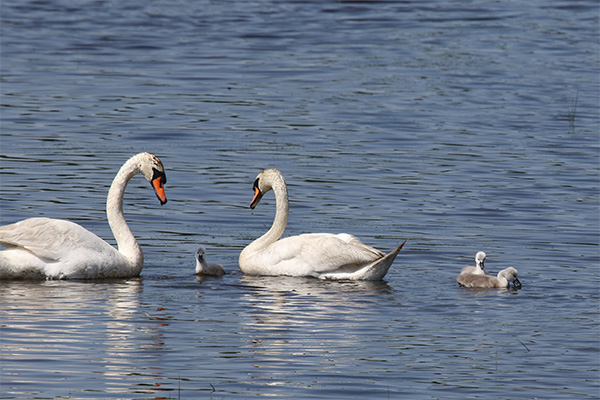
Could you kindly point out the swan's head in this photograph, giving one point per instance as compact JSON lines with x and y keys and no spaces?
{"x":264,"y":182}
{"x":480,"y":258}
{"x":510,"y":274}
{"x":152,"y":169}
{"x":200,"y":254}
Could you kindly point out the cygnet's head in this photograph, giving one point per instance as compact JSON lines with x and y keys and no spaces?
{"x":510,"y":274}
{"x":480,"y":259}
{"x":200,"y":252}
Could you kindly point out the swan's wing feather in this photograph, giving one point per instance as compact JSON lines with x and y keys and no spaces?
{"x":374,"y":271}
{"x":319,"y":252}
{"x":48,"y":238}
{"x":345,"y":251}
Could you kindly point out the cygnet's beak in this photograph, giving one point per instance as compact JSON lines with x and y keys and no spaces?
{"x":517,"y":284}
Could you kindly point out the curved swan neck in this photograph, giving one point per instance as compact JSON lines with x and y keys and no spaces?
{"x":126,"y":242}
{"x":281,"y":217}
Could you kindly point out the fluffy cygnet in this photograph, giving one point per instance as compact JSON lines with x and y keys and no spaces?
{"x":478,"y":268}
{"x":503,"y":280}
{"x":205,"y":268}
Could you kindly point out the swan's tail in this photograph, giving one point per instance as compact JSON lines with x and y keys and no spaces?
{"x":377,"y":270}
{"x":372,"y":272}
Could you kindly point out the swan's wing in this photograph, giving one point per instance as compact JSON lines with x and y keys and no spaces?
{"x":374,"y":271}
{"x":49,"y":238}
{"x":345,"y":251}
{"x":315,"y":253}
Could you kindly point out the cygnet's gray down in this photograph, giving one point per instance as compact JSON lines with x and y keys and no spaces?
{"x":205,"y":268}
{"x":503,"y":280}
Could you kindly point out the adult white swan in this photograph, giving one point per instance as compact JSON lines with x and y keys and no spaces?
{"x":38,"y":248}
{"x":320,"y":255}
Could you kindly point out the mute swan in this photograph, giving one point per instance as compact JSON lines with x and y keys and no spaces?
{"x":320,"y":255}
{"x":38,"y":248}
{"x":478,"y":268}
{"x":505,"y":277}
{"x":205,"y":268}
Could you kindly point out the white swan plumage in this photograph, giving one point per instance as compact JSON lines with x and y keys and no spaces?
{"x":478,"y":269}
{"x":502,"y":280}
{"x":320,"y":255}
{"x":46,"y":248}
{"x":203,"y":267}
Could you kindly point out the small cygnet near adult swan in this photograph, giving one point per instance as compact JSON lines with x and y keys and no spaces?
{"x":320,"y":255}
{"x":45,"y":248}
{"x":503,"y":280}
{"x":205,"y":268}
{"x":478,"y":268}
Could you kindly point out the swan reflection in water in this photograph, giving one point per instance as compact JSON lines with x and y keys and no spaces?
{"x":82,"y":330}
{"x":289,"y":318}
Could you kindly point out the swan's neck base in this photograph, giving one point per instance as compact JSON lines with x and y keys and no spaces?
{"x":126,"y":242}
{"x":276,"y":230}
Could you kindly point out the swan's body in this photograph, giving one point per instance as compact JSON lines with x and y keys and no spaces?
{"x":503,"y":280}
{"x":205,"y":268}
{"x":478,"y":268}
{"x":320,"y":255}
{"x":45,"y":248}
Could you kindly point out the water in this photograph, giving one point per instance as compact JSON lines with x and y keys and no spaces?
{"x":461,"y":126}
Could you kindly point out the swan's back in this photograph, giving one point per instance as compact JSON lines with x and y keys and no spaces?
{"x":311,"y":254}
{"x":49,"y":238}
{"x":54,"y":248}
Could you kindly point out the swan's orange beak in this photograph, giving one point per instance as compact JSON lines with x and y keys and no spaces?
{"x":257,"y":196}
{"x":159,"y":189}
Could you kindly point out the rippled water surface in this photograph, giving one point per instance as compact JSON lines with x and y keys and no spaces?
{"x":461,"y":126}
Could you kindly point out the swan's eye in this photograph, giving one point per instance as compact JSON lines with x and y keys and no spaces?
{"x":256,"y":184}
{"x":159,"y":174}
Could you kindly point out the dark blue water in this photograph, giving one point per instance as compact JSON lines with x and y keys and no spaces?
{"x":461,"y":126}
